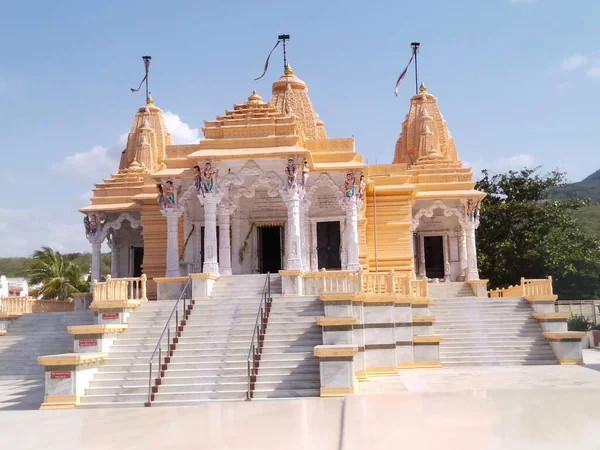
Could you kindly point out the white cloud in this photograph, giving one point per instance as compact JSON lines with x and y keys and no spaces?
{"x":181,"y":131}
{"x":593,"y":72}
{"x":514,"y":162}
{"x":29,"y":229}
{"x":574,"y":62}
{"x":91,"y":165}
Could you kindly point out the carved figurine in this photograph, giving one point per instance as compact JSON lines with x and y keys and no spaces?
{"x":161,"y":195}
{"x":91,"y":224}
{"x":169,"y":194}
{"x":350,"y":185}
{"x":209,"y":176}
{"x":472,"y":209}
{"x":198,"y":178}
{"x":291,"y":171}
{"x":361,"y":186}
{"x":305,"y":173}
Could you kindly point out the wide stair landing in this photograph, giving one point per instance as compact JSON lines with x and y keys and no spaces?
{"x":449,"y":289}
{"x":489,"y":332}
{"x":30,"y":336}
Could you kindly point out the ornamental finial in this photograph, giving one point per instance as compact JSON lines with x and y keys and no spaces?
{"x":422,"y":88}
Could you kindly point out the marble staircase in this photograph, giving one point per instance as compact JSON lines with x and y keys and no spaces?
{"x":30,"y":336}
{"x":450,"y":289}
{"x":492,"y":331}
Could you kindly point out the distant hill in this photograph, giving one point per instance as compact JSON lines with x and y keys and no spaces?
{"x":588,"y":217}
{"x":18,"y":266}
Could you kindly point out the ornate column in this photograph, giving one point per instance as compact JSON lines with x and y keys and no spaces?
{"x":114,"y":246}
{"x":304,"y":233}
{"x":350,"y":206}
{"x":472,"y":270}
{"x":95,"y":235}
{"x":446,"y":258}
{"x":210,"y":202}
{"x":422,"y":267}
{"x":224,"y":211}
{"x":188,"y":253}
{"x":314,"y":258}
{"x":462,"y":245}
{"x":236,"y":243}
{"x":293,"y":258}
{"x":172,"y":215}
{"x":96,"y":262}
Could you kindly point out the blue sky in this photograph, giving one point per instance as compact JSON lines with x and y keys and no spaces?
{"x":517,"y":80}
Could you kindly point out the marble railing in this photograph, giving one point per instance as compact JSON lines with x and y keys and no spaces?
{"x":369,"y":283}
{"x":121,"y":289}
{"x":16,"y":305}
{"x":527,"y":288}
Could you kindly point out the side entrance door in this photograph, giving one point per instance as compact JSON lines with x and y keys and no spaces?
{"x":328,"y":245}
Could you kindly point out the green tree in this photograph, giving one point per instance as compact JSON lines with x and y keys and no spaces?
{"x":57,"y":277}
{"x":524,"y":234}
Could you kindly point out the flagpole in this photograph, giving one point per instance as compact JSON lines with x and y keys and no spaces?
{"x":147,"y":67}
{"x":283,"y":38}
{"x":415,"y":46}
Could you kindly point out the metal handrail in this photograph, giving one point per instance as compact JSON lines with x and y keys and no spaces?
{"x":167,"y":330}
{"x":259,"y":330}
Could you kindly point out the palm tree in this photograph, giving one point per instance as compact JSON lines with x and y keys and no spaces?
{"x":58,"y":278}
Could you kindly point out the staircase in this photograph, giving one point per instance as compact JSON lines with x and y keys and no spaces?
{"x":288,"y":367}
{"x":484,"y":332}
{"x":449,"y":289}
{"x":30,"y":336}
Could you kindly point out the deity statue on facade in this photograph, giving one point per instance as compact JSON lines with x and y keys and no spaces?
{"x":198,"y":178}
{"x":161,"y":195}
{"x":472,"y":209}
{"x":350,"y":185}
{"x":291,"y":171}
{"x":305,"y":173}
{"x":91,"y":224}
{"x":362,"y":185}
{"x":169,"y":194}
{"x":208,"y":179}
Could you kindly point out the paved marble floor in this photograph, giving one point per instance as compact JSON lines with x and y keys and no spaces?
{"x":488,"y":378}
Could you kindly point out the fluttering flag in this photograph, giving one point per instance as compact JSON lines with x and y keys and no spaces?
{"x":147,"y":67}
{"x":267,"y":61}
{"x":403,"y":74}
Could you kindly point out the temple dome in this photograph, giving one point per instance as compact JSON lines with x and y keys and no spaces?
{"x":290,"y":96}
{"x":425,"y":134}
{"x":147,"y":141}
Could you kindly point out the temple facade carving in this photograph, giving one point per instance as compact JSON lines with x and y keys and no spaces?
{"x":267,"y":190}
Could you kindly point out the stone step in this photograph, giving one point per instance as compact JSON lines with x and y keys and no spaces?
{"x":503,"y":362}
{"x":215,"y":365}
{"x":210,"y":351}
{"x":285,"y":393}
{"x":198,"y":357}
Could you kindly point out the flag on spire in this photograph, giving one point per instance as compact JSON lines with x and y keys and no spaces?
{"x":403,"y":74}
{"x":281,"y":38}
{"x":145,"y":79}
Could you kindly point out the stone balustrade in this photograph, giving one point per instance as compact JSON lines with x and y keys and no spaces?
{"x":121,"y":289}
{"x":527,"y":288}
{"x":16,"y":306}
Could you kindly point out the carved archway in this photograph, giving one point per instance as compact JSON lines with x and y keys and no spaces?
{"x":324,"y":180}
{"x":438,"y":204}
{"x":116,"y":224}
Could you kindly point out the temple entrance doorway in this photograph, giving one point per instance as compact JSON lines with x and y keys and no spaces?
{"x":328,"y":245}
{"x":269,"y":245}
{"x":434,"y":256}
{"x":202,"y":246}
{"x":137,"y":260}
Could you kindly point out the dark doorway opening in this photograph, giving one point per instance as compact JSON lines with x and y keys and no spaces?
{"x":434,"y":256}
{"x":328,"y":245}
{"x":202,"y":246}
{"x":138,"y":260}
{"x":269,"y":243}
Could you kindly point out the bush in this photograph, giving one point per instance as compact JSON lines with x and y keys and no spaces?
{"x":579,"y":323}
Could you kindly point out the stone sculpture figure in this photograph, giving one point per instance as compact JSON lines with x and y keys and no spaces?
{"x":169,"y":194}
{"x":161,"y":196}
{"x":198,"y":178}
{"x":291,"y":171}
{"x":209,"y":176}
{"x":305,"y":173}
{"x":91,"y":224}
{"x":472,"y":209}
{"x":350,"y":185}
{"x":361,"y":186}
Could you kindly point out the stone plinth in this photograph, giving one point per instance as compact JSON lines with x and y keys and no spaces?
{"x":94,"y":338}
{"x":202,"y":285}
{"x":113,"y":312}
{"x":542,"y":303}
{"x":479,"y":288}
{"x":169,"y":288}
{"x":67,"y":376}
{"x":567,"y":346}
{"x":553,"y":322}
{"x":337,"y":369}
{"x":292,"y":282}
{"x":427,"y":351}
{"x":403,"y":332}
{"x":337,"y":330}
{"x":82,"y":300}
{"x":379,"y":339}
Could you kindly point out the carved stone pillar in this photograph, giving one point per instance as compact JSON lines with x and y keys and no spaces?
{"x":351,"y":234}
{"x":224,"y":212}
{"x":293,"y":258}
{"x":188,"y":254}
{"x":314,"y":257}
{"x":96,"y":242}
{"x":472,"y":270}
{"x":422,"y":268}
{"x":172,"y":215}
{"x":446,"y":258}
{"x":210,"y":202}
{"x":236,"y":244}
{"x":462,"y":245}
{"x":304,"y":234}
{"x":115,"y":248}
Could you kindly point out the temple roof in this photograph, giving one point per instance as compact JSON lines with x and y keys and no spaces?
{"x":425,"y":136}
{"x":290,"y":95}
